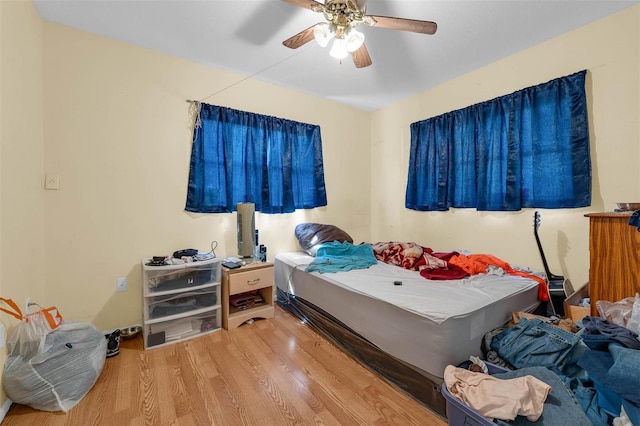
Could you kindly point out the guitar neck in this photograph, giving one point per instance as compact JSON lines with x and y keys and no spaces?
{"x":550,"y":276}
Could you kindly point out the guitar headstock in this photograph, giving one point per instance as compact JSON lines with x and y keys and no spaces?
{"x":536,"y":220}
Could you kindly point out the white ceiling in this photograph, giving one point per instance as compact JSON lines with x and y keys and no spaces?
{"x":245,"y":36}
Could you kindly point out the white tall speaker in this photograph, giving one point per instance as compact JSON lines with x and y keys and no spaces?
{"x":246,"y":229}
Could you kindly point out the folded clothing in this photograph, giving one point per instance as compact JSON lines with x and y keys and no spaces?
{"x":496,"y":398}
{"x":532,"y":342}
{"x":599,"y":333}
{"x":336,"y":256}
{"x":561,"y":406}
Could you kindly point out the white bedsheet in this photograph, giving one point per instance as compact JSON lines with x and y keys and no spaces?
{"x":435,"y":300}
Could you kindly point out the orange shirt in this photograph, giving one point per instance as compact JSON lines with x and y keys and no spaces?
{"x":478,"y":264}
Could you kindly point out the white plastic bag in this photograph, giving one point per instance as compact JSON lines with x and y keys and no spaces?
{"x":60,"y":376}
{"x":634,"y":321}
{"x":51,"y":366}
{"x":27,"y":338}
{"x":625,"y":312}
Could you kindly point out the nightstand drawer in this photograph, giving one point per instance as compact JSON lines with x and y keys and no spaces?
{"x":240,"y":282}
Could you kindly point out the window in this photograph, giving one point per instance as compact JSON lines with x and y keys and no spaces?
{"x":239,"y":156}
{"x":529,"y":149}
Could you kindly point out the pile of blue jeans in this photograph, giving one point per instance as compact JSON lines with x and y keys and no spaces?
{"x":534,"y":343}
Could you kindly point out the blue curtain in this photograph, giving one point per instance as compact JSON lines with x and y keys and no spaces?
{"x":526,"y":149}
{"x":239,"y":156}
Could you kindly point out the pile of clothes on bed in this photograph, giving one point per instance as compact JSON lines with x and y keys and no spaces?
{"x":450,"y":265}
{"x":595,"y":363}
{"x":344,"y":256}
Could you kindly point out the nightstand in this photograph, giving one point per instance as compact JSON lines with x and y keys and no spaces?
{"x":256,"y":276}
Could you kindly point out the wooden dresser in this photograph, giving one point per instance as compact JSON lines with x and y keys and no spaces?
{"x":614,"y":252}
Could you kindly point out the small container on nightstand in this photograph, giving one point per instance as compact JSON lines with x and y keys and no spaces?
{"x":254,"y":278}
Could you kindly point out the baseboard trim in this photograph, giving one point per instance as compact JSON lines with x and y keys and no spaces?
{"x":121,"y":328}
{"x":5,"y":409}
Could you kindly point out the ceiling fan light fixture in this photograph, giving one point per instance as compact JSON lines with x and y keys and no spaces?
{"x":323,"y":34}
{"x":342,"y":17}
{"x":355,"y":39}
{"x":339,"y":48}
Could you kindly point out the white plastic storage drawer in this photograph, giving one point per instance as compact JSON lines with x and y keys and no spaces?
{"x":181,"y":303}
{"x":165,"y":332}
{"x":159,"y":279}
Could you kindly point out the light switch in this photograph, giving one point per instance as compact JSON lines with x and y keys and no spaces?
{"x":52,"y":181}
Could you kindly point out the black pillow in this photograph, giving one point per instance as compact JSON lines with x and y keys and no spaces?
{"x":311,"y":235}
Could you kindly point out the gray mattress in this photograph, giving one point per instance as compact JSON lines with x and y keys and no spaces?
{"x":426,"y":324}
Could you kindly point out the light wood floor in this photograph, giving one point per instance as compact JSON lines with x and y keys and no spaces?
{"x":271,"y":372}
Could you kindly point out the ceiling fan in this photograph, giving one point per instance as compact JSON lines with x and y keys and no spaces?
{"x":342,"y":17}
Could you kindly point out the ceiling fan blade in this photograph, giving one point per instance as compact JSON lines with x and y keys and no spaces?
{"x":306,"y":4}
{"x":302,"y":38}
{"x":361,"y":57}
{"x":413,"y":25}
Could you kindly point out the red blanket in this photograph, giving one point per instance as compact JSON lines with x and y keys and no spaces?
{"x":411,"y":256}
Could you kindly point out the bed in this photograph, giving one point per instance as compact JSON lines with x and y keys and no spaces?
{"x":396,"y":322}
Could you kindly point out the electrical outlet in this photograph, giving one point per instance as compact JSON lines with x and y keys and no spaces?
{"x":121,"y":284}
{"x":52,"y":181}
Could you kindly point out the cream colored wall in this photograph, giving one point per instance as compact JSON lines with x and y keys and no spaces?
{"x":22,"y":152}
{"x":21,"y":158}
{"x":609,"y":50}
{"x":117,"y":130}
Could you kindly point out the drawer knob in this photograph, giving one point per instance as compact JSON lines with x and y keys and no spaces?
{"x":253,"y":282}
